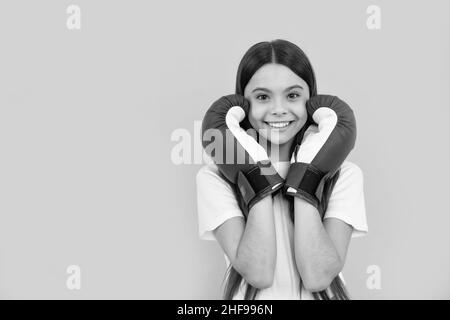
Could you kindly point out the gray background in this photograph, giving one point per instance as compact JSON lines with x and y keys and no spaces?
{"x":86,"y":118}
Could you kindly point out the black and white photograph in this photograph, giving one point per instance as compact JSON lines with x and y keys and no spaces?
{"x":224,"y":150}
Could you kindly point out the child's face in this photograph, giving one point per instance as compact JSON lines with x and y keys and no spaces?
{"x":277,"y":97}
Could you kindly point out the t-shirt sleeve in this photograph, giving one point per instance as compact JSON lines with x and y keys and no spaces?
{"x":347,"y":199}
{"x":216,"y":201}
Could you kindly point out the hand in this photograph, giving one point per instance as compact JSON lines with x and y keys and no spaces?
{"x":323,"y":149}
{"x":239,"y":157}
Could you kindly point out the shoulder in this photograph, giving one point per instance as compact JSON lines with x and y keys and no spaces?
{"x":208,"y":171}
{"x":347,"y":201}
{"x":216,"y":201}
{"x":209,"y":176}
{"x":350,"y":176}
{"x":350,"y":169}
{"x":350,"y":181}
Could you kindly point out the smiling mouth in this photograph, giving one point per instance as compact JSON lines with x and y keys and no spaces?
{"x":278,"y":124}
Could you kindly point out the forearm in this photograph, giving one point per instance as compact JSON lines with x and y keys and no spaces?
{"x":256,"y":254}
{"x":317,"y":259}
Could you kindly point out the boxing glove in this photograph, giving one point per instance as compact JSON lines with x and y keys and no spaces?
{"x":325,"y":145}
{"x":239,"y":157}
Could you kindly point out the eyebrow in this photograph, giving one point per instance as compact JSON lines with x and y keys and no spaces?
{"x":287,"y":89}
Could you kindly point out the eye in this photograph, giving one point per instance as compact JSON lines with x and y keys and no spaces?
{"x":261,"y":95}
{"x":295,"y":94}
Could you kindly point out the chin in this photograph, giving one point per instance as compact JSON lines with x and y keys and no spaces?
{"x":277,"y":140}
{"x":282,"y":141}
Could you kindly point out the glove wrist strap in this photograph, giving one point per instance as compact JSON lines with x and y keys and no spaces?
{"x":302,"y":181}
{"x":258,"y":182}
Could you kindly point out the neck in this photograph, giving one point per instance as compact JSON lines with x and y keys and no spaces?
{"x":277,"y":152}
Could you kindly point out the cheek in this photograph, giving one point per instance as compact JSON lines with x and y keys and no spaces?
{"x":255,"y":115}
{"x":251,"y":118}
{"x":300,"y":110}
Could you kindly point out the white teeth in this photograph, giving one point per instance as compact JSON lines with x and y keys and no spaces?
{"x":278,"y":124}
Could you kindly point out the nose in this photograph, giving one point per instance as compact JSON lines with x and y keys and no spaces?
{"x":278,"y":109}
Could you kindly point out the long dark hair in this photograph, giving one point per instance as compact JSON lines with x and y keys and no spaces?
{"x":288,"y":54}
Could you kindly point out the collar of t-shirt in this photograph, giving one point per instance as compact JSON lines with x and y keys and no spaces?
{"x":282,"y":167}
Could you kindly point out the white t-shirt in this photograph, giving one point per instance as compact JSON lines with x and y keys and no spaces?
{"x":216,"y":204}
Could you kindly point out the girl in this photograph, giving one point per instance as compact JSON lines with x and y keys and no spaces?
{"x":288,"y":249}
